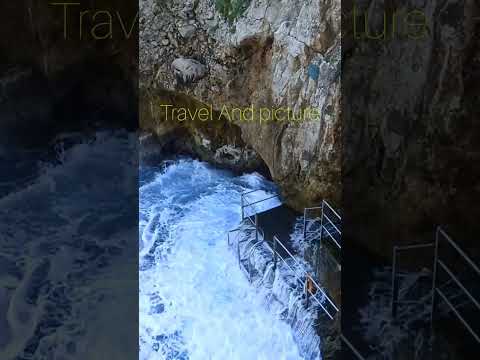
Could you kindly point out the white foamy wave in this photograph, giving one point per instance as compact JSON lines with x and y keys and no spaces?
{"x":253,"y":180}
{"x":281,"y":289}
{"x":65,"y":243}
{"x":195,"y":302}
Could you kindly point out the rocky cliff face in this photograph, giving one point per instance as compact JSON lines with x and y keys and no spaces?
{"x":411,"y":132}
{"x":406,"y":142}
{"x":55,"y":75}
{"x":263,"y":53}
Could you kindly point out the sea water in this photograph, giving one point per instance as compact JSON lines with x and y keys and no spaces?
{"x":195,"y":302}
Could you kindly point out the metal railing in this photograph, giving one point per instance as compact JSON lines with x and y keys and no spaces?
{"x":248,"y":269}
{"x":303,"y":277}
{"x":311,"y":287}
{"x":352,"y":348}
{"x":441,"y":236}
{"x":245,"y":204}
{"x":396,"y":275}
{"x":330,"y":223}
{"x":438,"y":264}
{"x":231,"y":232}
{"x":258,"y":231}
{"x":312,"y":220}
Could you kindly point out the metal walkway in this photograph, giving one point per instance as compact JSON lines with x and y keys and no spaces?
{"x":322,"y":224}
{"x":279,"y":219}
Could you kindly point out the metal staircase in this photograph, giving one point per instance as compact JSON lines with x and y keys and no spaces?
{"x":397,"y":275}
{"x":312,"y":289}
{"x":250,"y":209}
{"x":326,"y":224}
{"x":280,"y":253}
{"x":244,"y":262}
{"x":437,"y":293}
{"x":321,"y":224}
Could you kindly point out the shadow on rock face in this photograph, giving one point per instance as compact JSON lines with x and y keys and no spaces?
{"x":52,"y":80}
{"x":86,"y":96}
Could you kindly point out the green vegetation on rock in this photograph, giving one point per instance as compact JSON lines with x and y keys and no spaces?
{"x":231,"y":9}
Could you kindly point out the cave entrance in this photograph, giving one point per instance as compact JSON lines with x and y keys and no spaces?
{"x":185,"y":126}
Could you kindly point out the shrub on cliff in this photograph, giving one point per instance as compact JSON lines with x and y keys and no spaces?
{"x":231,"y":9}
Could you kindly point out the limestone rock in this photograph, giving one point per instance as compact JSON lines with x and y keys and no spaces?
{"x":188,"y":70}
{"x":287,"y":54}
{"x":187,"y":31}
{"x":263,"y":58}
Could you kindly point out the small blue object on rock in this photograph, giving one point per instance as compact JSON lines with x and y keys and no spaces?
{"x":313,"y":71}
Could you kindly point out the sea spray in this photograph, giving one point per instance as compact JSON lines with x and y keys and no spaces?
{"x":195,"y":302}
{"x":281,"y":289}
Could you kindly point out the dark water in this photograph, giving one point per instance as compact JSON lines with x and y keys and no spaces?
{"x":68,"y":249}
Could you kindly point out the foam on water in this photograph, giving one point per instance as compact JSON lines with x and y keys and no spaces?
{"x":65,"y":243}
{"x":410,"y":330}
{"x":281,"y":289}
{"x":195,"y":302}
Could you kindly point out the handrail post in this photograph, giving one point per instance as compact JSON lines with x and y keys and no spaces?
{"x":307,"y":292}
{"x":321,"y":222}
{"x":241,"y":200}
{"x":304,"y":224}
{"x":394,"y":284}
{"x":274,"y":253}
{"x":238,"y":253}
{"x":317,"y":258}
{"x":434,"y":282}
{"x":250,"y":276}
